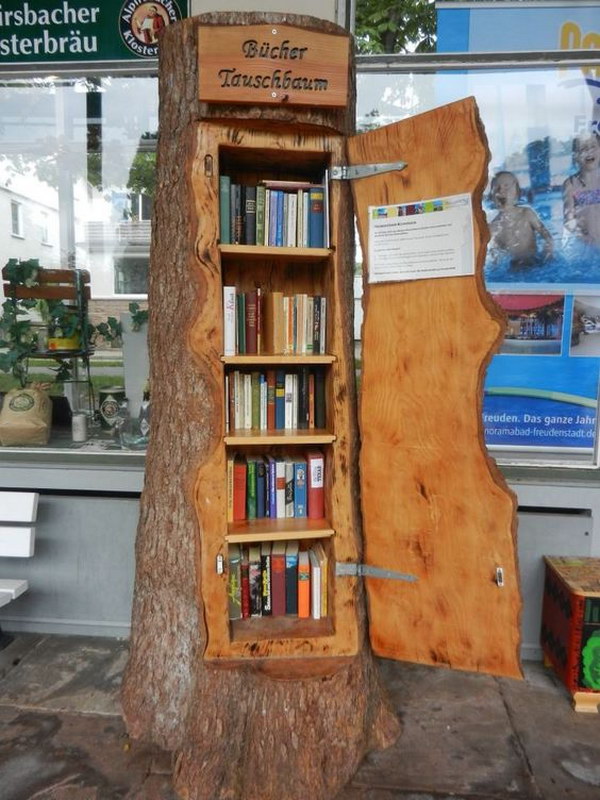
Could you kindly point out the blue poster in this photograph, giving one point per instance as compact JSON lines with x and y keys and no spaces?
{"x":542,"y":204}
{"x":493,"y":27}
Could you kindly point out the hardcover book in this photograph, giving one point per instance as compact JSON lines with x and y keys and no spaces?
{"x":316,"y":217}
{"x":250,"y":215}
{"x":324,"y":565}
{"x":224,"y":209}
{"x":229,"y":326}
{"x":265,"y":567}
{"x":260,"y":215}
{"x":291,"y":577}
{"x":234,"y":581}
{"x":303,"y":584}
{"x":315,"y":477}
{"x":315,"y":585}
{"x":278,"y":578}
{"x":261,"y":488}
{"x":245,"y":579}
{"x":299,"y":487}
{"x":239,"y":488}
{"x":289,"y":487}
{"x":255,"y":580}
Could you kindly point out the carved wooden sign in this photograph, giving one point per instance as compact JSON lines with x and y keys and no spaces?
{"x":272,"y":64}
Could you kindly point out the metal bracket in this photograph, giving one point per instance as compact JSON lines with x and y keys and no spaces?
{"x":351,"y":173}
{"x":343,"y":568}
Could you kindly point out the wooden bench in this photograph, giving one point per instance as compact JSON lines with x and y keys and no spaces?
{"x":18,"y":512}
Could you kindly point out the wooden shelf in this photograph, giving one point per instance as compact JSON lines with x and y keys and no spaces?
{"x":277,"y":359}
{"x":283,"y":437}
{"x":287,"y":253}
{"x":284,"y":627}
{"x":274,"y":530}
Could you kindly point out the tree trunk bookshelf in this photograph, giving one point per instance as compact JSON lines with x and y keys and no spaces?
{"x":219,"y":690}
{"x":249,"y":154}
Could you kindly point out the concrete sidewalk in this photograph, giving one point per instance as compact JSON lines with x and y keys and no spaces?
{"x":465,"y":736}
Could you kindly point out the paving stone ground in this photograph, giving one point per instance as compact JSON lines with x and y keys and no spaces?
{"x":465,"y":736}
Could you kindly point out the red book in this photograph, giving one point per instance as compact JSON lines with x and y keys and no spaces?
{"x":271,"y":399}
{"x":239,"y":489}
{"x":251,"y":323}
{"x":315,"y":484}
{"x":278,"y":579}
{"x":245,"y":581}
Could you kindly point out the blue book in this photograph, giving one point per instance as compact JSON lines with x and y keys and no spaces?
{"x":272,"y":219}
{"x":299,"y":487}
{"x":316,"y":217}
{"x":280,"y":220}
{"x":272,"y":486}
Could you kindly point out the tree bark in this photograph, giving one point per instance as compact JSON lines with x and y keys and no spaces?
{"x":238,"y":732}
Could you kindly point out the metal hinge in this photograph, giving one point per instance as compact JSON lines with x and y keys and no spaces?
{"x":351,"y":173}
{"x":343,"y":568}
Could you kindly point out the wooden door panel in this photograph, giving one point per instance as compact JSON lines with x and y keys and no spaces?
{"x":434,"y":504}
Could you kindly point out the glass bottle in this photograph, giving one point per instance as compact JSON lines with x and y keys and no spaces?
{"x":144,"y":415}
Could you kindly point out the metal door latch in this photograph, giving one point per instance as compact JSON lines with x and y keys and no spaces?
{"x":220,"y":565}
{"x":343,"y":568}
{"x":500,"y":577}
{"x":350,"y":173}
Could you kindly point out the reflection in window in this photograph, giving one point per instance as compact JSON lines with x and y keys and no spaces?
{"x":77,"y":161}
{"x":16,"y":218}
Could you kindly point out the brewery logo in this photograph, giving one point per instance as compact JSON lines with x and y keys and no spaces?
{"x":21,"y":402}
{"x":110,"y":409}
{"x":141,"y":23}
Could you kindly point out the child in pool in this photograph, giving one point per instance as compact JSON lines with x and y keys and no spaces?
{"x":581,"y":192}
{"x":514,"y":229}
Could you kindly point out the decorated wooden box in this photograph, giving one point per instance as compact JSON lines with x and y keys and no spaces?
{"x":571,"y":626}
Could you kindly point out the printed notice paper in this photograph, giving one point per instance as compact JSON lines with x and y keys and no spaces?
{"x":427,"y":239}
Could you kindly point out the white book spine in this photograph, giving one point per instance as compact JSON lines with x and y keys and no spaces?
{"x":305,"y":210}
{"x":247,"y":404}
{"x":237,"y":401}
{"x":323,"y":327}
{"x":300,"y":217}
{"x":315,"y":585}
{"x":263,"y":402}
{"x":229,"y":326}
{"x":289,"y":401}
{"x":226,"y":409}
{"x":265,"y":240}
{"x":292,"y":220}
{"x":294,"y":400}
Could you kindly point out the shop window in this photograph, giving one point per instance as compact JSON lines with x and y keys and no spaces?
{"x":77,"y":164}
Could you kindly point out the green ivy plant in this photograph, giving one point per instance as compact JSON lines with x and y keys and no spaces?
{"x":19,"y":336}
{"x":139,"y":316}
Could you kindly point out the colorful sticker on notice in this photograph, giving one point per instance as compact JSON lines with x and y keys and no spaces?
{"x":425,"y":239}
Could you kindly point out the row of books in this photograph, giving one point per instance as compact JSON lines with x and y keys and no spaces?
{"x":258,"y":322}
{"x":273,"y":213}
{"x":278,"y":486}
{"x":275,"y":399}
{"x":277,"y":579}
